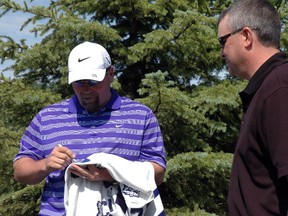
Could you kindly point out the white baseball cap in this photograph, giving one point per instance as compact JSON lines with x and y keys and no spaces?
{"x":88,"y":61}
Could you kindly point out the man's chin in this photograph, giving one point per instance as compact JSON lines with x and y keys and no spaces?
{"x":89,"y":104}
{"x":87,"y":100}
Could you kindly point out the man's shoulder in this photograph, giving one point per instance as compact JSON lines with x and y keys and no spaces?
{"x":130,"y":103}
{"x":279,"y":77}
{"x":282,"y":71}
{"x":60,"y":106}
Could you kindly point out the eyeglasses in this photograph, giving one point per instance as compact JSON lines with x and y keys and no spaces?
{"x":222,"y":40}
{"x":81,"y":83}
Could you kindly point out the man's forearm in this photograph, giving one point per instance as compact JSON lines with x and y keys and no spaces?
{"x":29,"y":171}
{"x":159,"y":173}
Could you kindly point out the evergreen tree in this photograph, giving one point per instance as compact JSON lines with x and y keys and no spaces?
{"x":166,"y":55}
{"x":142,"y":37}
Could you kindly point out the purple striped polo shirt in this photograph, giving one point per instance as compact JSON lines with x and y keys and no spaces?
{"x":124,"y":127}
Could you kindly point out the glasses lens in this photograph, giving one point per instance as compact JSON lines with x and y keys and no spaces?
{"x":81,"y":83}
{"x":222,"y":40}
{"x":92,"y":82}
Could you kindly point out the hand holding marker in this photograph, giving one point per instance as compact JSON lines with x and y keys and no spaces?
{"x":73,"y":160}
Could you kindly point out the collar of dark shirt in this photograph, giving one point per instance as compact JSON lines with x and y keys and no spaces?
{"x":256,"y":81}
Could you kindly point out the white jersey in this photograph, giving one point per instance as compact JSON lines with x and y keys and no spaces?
{"x":133,"y":194}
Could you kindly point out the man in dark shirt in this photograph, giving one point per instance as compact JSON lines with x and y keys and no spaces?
{"x":249,"y":33}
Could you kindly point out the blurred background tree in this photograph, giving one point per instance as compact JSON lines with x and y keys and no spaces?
{"x":166,"y":55}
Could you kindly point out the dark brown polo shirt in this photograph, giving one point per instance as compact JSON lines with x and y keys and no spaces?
{"x":261,"y":155}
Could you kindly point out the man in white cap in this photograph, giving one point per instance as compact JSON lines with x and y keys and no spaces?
{"x":96,"y":119}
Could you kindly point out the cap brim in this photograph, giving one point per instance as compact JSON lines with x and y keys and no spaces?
{"x":96,"y":74}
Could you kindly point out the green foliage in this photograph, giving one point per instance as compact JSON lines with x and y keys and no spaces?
{"x":283,"y":10}
{"x":20,"y":102}
{"x":15,"y":199}
{"x":187,"y":212}
{"x":168,"y":47}
{"x":204,"y":120}
{"x":198,"y":180}
{"x":8,"y":149}
{"x":200,"y":123}
{"x":221,"y":105}
{"x":142,"y":36}
{"x":23,"y":202}
{"x":174,"y":111}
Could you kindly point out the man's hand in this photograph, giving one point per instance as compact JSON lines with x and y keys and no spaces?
{"x":30,"y":171}
{"x":91,"y":173}
{"x":59,"y":158}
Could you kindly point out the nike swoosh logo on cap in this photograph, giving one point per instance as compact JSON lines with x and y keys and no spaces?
{"x":80,"y":60}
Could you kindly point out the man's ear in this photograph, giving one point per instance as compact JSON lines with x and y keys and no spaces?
{"x":248,"y":36}
{"x":111,"y":73}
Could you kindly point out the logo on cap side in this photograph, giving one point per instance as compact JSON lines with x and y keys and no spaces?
{"x":80,"y":60}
